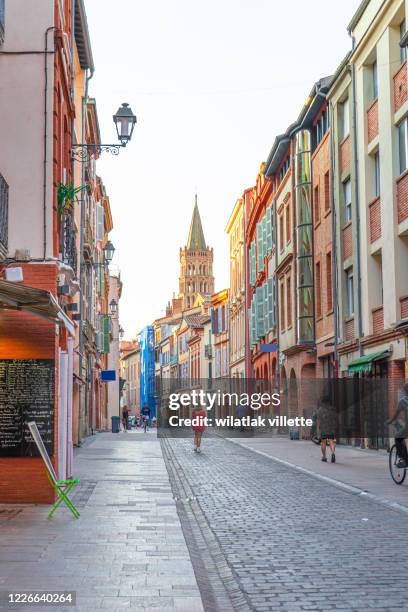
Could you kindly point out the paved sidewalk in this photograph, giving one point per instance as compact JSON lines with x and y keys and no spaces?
{"x":366,"y":470}
{"x":127,"y":550}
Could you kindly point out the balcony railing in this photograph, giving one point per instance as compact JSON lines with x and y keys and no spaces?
{"x":3,"y":217}
{"x":89,"y":241}
{"x":69,"y":248}
{"x":400,"y":87}
{"x":375,"y":219}
{"x":378,"y":319}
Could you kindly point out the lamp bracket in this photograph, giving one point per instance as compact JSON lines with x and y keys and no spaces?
{"x":86,"y":152}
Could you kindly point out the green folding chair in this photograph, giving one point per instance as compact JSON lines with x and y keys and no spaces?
{"x":61,"y":487}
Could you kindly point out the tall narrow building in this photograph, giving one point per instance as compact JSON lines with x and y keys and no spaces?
{"x":196,"y":262}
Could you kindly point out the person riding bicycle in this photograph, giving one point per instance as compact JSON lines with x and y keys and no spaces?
{"x":145,"y":416}
{"x":400,"y":419}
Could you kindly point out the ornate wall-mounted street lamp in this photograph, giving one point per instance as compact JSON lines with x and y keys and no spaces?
{"x":108,"y":251}
{"x":124,"y":121}
{"x":121,"y":332}
{"x":113,"y":306}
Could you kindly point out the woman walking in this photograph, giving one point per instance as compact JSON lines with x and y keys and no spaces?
{"x":198,"y":424}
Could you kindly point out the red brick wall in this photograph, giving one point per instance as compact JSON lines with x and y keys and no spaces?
{"x":372,"y":121}
{"x":349,"y":333}
{"x":347,"y":241}
{"x":404,"y":307}
{"x":25,"y":336}
{"x":378,"y":320}
{"x":375,"y":220}
{"x":400,"y":87}
{"x":396,"y":378}
{"x":402,"y":197}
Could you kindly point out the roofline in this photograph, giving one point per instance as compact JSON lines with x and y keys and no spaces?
{"x":85,"y":58}
{"x":275,"y":158}
{"x":357,"y":16}
{"x":340,"y":73}
{"x":130,"y":353}
{"x":238,"y":204}
{"x":91,"y":103}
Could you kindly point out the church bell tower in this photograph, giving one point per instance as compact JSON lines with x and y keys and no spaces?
{"x":196,"y":264}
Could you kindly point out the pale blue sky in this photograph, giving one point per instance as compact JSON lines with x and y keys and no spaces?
{"x":212,"y":83}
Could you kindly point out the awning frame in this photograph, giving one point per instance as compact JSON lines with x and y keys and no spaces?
{"x":39,"y":302}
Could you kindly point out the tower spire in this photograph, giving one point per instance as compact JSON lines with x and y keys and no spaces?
{"x":196,"y":238}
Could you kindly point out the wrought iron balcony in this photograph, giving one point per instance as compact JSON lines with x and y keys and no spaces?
{"x":3,"y":217}
{"x":69,"y":248}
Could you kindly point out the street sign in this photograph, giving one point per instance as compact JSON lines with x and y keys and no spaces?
{"x":269,"y":348}
{"x":108,"y":375}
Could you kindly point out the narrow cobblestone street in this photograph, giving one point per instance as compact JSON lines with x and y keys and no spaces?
{"x":254,"y":535}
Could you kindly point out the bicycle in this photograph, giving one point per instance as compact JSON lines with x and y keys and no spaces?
{"x":145,"y":424}
{"x":397,"y":474}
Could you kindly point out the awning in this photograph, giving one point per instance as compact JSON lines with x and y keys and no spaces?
{"x":364,"y":364}
{"x":15,"y":296}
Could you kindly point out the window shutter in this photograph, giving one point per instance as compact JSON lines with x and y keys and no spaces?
{"x":219,"y":326}
{"x":268,"y":230}
{"x":105,"y":334}
{"x":213,"y":322}
{"x":260,"y":321}
{"x":265,"y":307}
{"x":264,"y":237}
{"x":253,"y":322}
{"x":250,"y":325}
{"x":259,"y":239}
{"x":226,"y":317}
{"x":252,"y":263}
{"x":271,"y":305}
{"x":99,"y":214}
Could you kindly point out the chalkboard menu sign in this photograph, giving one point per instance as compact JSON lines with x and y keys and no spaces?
{"x":26,"y":394}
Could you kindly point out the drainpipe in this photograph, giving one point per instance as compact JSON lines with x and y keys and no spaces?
{"x":81,"y":254}
{"x":334,"y":245}
{"x":276,"y":287}
{"x":245,"y":286}
{"x":45,"y":140}
{"x":358,"y":220}
{"x":72,"y":83}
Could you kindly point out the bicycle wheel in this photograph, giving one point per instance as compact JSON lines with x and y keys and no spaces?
{"x":397,"y":474}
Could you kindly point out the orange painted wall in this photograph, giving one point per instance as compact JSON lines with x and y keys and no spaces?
{"x":25,"y":336}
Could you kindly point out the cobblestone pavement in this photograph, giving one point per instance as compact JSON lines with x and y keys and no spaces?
{"x":364,"y":469}
{"x":279,"y":540}
{"x":127,"y":550}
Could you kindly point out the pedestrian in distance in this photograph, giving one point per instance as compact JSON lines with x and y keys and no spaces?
{"x":198,"y":424}
{"x":125,"y":418}
{"x":145,"y":417}
{"x":241,"y":414}
{"x":326,"y":419}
